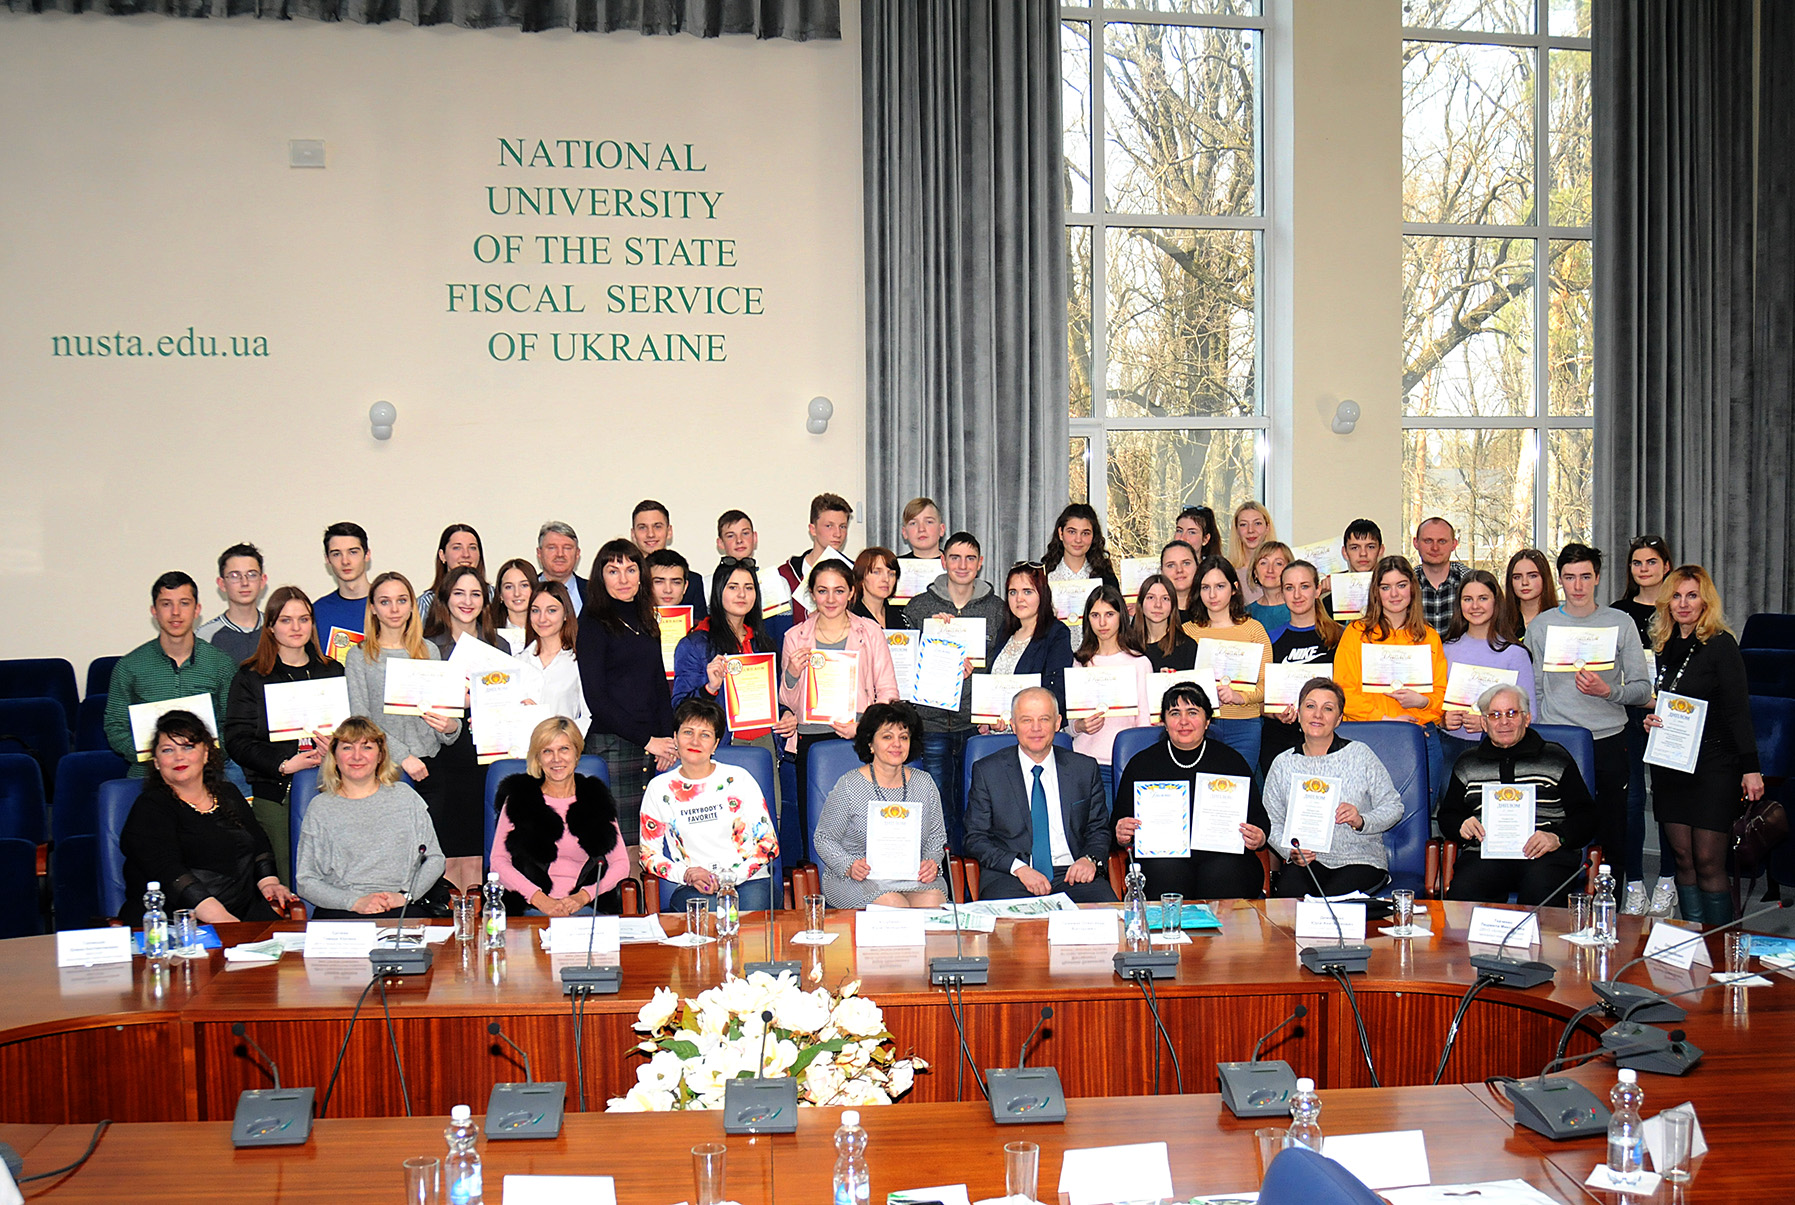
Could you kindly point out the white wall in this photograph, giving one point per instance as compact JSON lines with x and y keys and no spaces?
{"x":146,"y":189}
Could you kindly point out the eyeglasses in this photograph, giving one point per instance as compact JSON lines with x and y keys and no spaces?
{"x":1021,"y":566}
{"x":235,"y":577}
{"x":1655,"y":543}
{"x":729,"y":562}
{"x":1511,"y":714}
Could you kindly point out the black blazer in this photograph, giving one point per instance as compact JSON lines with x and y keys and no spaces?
{"x":998,"y":825}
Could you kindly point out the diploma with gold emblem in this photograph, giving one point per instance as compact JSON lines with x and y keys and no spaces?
{"x":893,"y":840}
{"x":676,"y":625}
{"x":1351,"y":593}
{"x":1570,"y":649}
{"x":750,"y":699}
{"x":1284,"y":680}
{"x":1235,"y":662}
{"x":830,"y":687}
{"x":1466,"y":683}
{"x":1385,"y":669}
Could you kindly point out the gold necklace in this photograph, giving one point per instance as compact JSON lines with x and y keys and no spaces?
{"x":210,"y":796}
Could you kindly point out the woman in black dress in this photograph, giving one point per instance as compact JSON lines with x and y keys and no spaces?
{"x":1698,"y":658}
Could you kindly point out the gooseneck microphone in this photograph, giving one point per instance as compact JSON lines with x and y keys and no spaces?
{"x":1302,"y":1010}
{"x":498,"y":1031}
{"x":960,"y":969}
{"x":397,"y":958}
{"x":1627,"y":1001}
{"x":237,"y":1030}
{"x":270,"y":1116}
{"x":526,"y":1110}
{"x":1518,"y":973}
{"x":1022,"y":1055}
{"x":774,"y":965}
{"x":761,"y":1105}
{"x":1256,"y":1089}
{"x":1023,"y":1094}
{"x":1344,"y":959}
{"x":589,"y":980}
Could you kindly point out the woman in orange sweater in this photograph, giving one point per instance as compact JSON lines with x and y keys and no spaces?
{"x":1393,"y":617}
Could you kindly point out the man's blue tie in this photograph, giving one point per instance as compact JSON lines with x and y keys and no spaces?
{"x":1037,"y":814}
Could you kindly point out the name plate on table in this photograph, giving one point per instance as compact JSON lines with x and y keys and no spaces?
{"x":1141,"y":1171}
{"x":1676,"y":945}
{"x":559,"y":1190}
{"x":339,"y":939}
{"x":1093,"y":927}
{"x":570,"y":934}
{"x":92,"y":947}
{"x":890,"y":960}
{"x":898,"y":927}
{"x":1314,"y":920}
{"x":1490,"y":926}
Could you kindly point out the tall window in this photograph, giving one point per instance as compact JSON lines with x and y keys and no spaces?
{"x":1165,"y":223}
{"x":1498,"y":330}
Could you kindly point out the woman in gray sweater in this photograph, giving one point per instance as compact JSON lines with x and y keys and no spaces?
{"x":1367,"y":802}
{"x":358,"y":849}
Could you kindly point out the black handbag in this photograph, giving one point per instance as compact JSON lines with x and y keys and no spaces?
{"x":1763,"y":827}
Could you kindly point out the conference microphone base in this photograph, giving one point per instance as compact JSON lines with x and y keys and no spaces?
{"x":525,"y":1110}
{"x":1349,"y":960}
{"x":1261,"y":1089}
{"x":1026,"y":1096}
{"x":1513,"y":972}
{"x":788,"y":966}
{"x":959,"y":969}
{"x":1152,"y":964}
{"x":1636,"y":1003}
{"x":400,"y":960}
{"x":760,"y":1106}
{"x":1561,"y":1109}
{"x":591,"y":981}
{"x":1646,"y":1049}
{"x":273,"y":1117}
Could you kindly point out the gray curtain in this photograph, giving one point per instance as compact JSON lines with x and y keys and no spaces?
{"x":966,"y":377}
{"x":1693,"y":289}
{"x":799,"y":20}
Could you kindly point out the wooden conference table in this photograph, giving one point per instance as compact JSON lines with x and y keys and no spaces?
{"x":77,"y":1045}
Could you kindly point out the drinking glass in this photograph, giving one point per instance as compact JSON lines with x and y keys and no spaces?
{"x":1679,"y":1136}
{"x":813,"y":914}
{"x":1270,"y":1141}
{"x":1738,"y":953}
{"x":423,"y":1181}
{"x":1404,"y":915}
{"x":697,"y":916}
{"x":1021,"y":1169}
{"x":708,"y":1166}
{"x":183,"y":935}
{"x":1579,"y":906}
{"x":467,"y":916}
{"x":1171,"y":915}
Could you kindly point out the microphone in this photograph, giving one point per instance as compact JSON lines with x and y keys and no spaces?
{"x":1648,"y":1048}
{"x":1562,"y":1108}
{"x":1347,"y":960}
{"x":270,"y":1116}
{"x":526,"y":1110}
{"x":398,"y":959}
{"x":961,"y":968}
{"x":1022,"y":1055}
{"x":589,"y":980}
{"x":1629,"y":1001}
{"x":1256,"y":1089}
{"x":1519,"y":973}
{"x":760,"y":1105}
{"x":1025,"y":1095}
{"x":1135,"y":965}
{"x":774,"y":965}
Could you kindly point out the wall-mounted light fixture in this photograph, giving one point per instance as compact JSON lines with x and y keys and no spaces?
{"x":1346,"y":417}
{"x":821,"y":411}
{"x":381,"y":416}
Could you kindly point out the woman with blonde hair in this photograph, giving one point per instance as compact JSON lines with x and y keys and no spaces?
{"x":541,"y":870}
{"x":1269,"y":563}
{"x":1252,"y":531}
{"x":1698,"y":658}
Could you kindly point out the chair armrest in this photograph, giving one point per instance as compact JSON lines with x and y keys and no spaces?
{"x":629,"y":896}
{"x":651,"y":893}
{"x":1117,"y":870}
{"x":1448,"y":864}
{"x":1431,"y":885}
{"x":1269,"y":863}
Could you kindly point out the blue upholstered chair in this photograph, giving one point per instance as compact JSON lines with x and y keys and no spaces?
{"x":1402,"y":747}
{"x":23,"y":812}
{"x":36,"y":727}
{"x":75,"y":836}
{"x":90,"y":725}
{"x":39,"y":678}
{"x":20,"y":915}
{"x":99,"y":676}
{"x":1299,"y":1176}
{"x":1129,"y":742}
{"x":1768,"y":630}
{"x":117,"y":798}
{"x":1770,"y":672}
{"x":829,"y":760}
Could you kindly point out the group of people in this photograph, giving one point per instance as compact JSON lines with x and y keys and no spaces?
{"x":1042,"y":818}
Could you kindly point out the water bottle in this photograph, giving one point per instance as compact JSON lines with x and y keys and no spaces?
{"x":1305,"y":1117}
{"x":1626,"y":1133}
{"x":1602,"y":909}
{"x":729,"y":905}
{"x":853,"y":1183}
{"x":461,"y":1169}
{"x":1134,"y":908}
{"x":493,"y":905}
{"x":155,"y":921}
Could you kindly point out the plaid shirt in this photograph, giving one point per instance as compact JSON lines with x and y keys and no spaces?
{"x":1437,"y":604}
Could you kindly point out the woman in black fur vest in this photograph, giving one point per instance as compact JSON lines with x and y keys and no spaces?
{"x":557,"y":849}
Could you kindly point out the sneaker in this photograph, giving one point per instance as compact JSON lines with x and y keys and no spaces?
{"x":1634,"y":904}
{"x":1664,"y":897}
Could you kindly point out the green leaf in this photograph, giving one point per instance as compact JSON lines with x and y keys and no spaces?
{"x":688,"y":1017}
{"x":809,"y":1053}
{"x":681,"y":1047}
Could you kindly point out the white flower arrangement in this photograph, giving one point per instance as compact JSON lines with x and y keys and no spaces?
{"x":835,"y":1045}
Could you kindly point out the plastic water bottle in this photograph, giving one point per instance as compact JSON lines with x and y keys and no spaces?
{"x":1305,"y":1117}
{"x":155,"y":921}
{"x":1626,"y":1132}
{"x":461,"y":1170}
{"x":853,"y":1182}
{"x":729,"y":905}
{"x":493,"y":905}
{"x":1602,"y":909}
{"x":1134,"y":908}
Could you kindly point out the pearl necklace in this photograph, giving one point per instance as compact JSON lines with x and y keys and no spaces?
{"x":1172,"y":751}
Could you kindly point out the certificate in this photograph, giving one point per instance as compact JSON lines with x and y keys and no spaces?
{"x":516,"y":638}
{"x":676,"y":625}
{"x":1507,"y":818}
{"x":1387,"y":668}
{"x":902,"y":642}
{"x":1069,"y":596}
{"x":915,"y":575}
{"x":1678,"y":744}
{"x":1570,"y":649}
{"x":337,"y":643}
{"x":940,"y":674}
{"x":473,"y":656}
{"x":1163,"y":808}
{"x":1465,"y":684}
{"x":775,"y":595}
{"x":1094,"y":688}
{"x":830,"y":687}
{"x":1284,"y":680}
{"x":1221,"y":808}
{"x":1133,"y":572}
{"x":1235,"y":662}
{"x":297,"y":709}
{"x":894,"y":840}
{"x":145,"y":715}
{"x":968,"y":633}
{"x":501,"y":730}
{"x":993,"y":694}
{"x":1310,"y":814}
{"x":414,"y":687}
{"x":1323,"y":554}
{"x":1351,"y":593}
{"x":1158,"y":684}
{"x":750,"y":699}
{"x":801,"y":596}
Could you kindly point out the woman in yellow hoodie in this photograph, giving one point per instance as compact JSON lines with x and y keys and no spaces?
{"x":1393,"y":619}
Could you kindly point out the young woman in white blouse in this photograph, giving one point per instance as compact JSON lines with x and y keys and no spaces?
{"x":551,"y":670}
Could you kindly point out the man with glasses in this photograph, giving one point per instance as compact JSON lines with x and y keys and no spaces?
{"x":241,"y":581}
{"x":1564,"y":816}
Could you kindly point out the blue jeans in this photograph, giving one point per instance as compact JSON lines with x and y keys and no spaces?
{"x":1242,"y":736}
{"x":756,"y":895}
{"x":942,"y":754}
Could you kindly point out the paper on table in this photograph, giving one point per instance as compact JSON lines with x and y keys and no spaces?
{"x":1465,"y":683}
{"x":1284,"y":680}
{"x":1644,"y":1183}
{"x":942,"y":921}
{"x":1387,"y":668}
{"x":1071,"y":594}
{"x":1163,"y":808}
{"x":940,"y":674}
{"x":1159,"y":684}
{"x":1221,"y":808}
{"x":1083,"y":927}
{"x":830,"y":682}
{"x":558,"y":1190}
{"x":1140,"y":1171}
{"x":1335,"y":922}
{"x":416,"y":686}
{"x":1235,"y":662}
{"x":1569,"y":649}
{"x":1680,"y":947}
{"x":992,"y":695}
{"x":1032,"y":908}
{"x":1508,"y":818}
{"x":1309,"y":814}
{"x":1677,"y":745}
{"x":965,"y":631}
{"x":1351,"y":592}
{"x":894,"y":840}
{"x":946,"y":1194}
{"x":1323,"y":554}
{"x":1133,"y":573}
{"x":750,"y":696}
{"x":295,"y":710}
{"x":1094,"y":688}
{"x":889,"y":927}
{"x":255,"y":953}
{"x":1393,"y":1159}
{"x":144,"y":717}
{"x":915,"y":575}
{"x":675,"y":625}
{"x":1486,"y":1192}
{"x":640,"y":930}
{"x":902,"y":642}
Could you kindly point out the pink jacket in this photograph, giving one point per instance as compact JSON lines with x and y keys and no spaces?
{"x":876,"y":681}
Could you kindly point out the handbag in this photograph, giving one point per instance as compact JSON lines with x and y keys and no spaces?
{"x":1763,"y":827}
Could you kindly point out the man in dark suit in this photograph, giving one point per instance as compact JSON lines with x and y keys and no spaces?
{"x":1037,"y":820}
{"x":558,"y":552}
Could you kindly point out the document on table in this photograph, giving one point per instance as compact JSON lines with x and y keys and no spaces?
{"x":894,"y":840}
{"x":1235,"y":662}
{"x":296,"y":710}
{"x":1351,"y":592}
{"x":940,"y":674}
{"x":1070,"y":596}
{"x":1133,"y":572}
{"x":915,"y":575}
{"x":1284,"y":680}
{"x":750,"y":699}
{"x":144,"y":717}
{"x":1388,"y":668}
{"x":1677,"y":745}
{"x":1325,"y":555}
{"x":902,"y":643}
{"x":1310,"y":814}
{"x":1466,"y":683}
{"x":1094,"y":688}
{"x":1163,"y":808}
{"x":414,"y":687}
{"x":1221,"y":808}
{"x":1570,"y":649}
{"x":1508,"y":818}
{"x":967,"y":632}
{"x":1159,"y":684}
{"x":830,"y":682}
{"x":993,"y":695}
{"x":676,"y":625}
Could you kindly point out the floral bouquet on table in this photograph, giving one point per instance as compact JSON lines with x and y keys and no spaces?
{"x":834,"y":1045}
